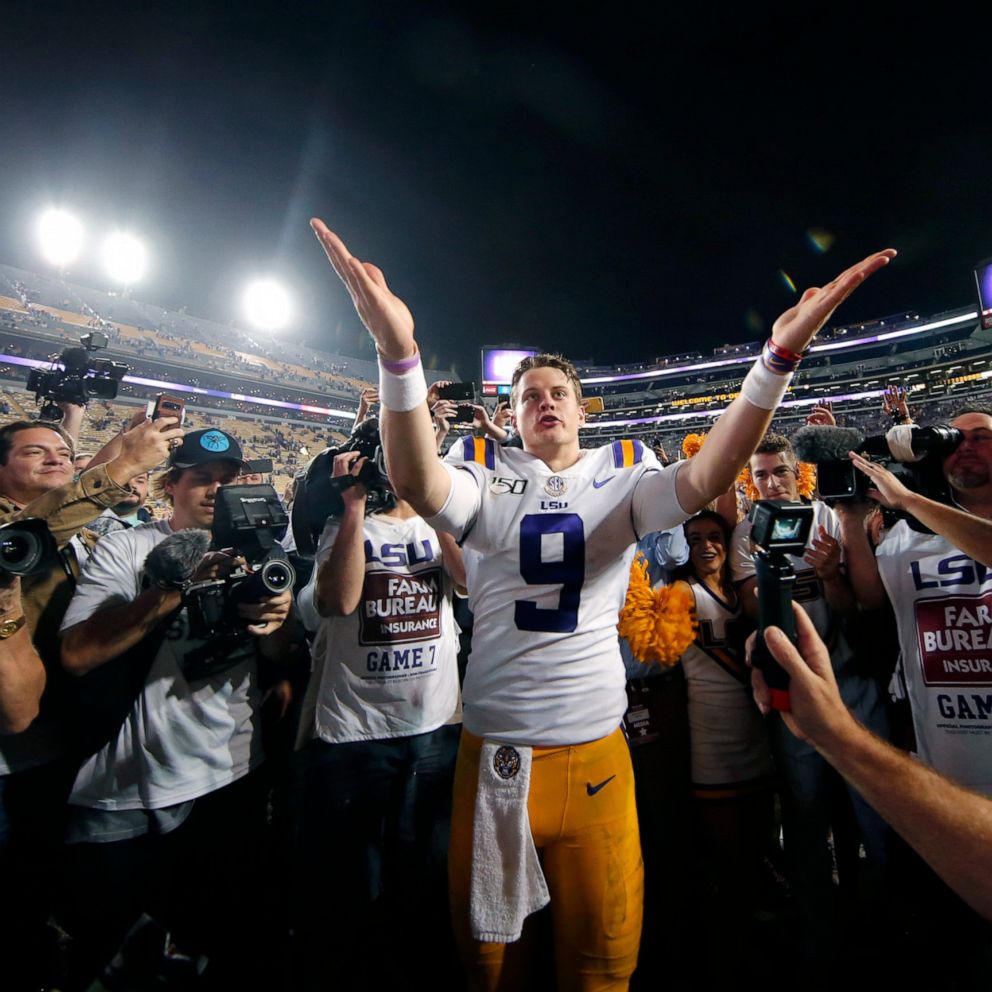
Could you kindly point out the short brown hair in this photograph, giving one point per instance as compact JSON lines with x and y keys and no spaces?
{"x":776,"y":444}
{"x":8,"y":431}
{"x":545,"y":361}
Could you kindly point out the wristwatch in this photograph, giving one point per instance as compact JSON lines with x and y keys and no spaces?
{"x":10,"y":627}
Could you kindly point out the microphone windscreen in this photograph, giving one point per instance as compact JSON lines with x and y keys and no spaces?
{"x":817,"y":443}
{"x":174,"y":560}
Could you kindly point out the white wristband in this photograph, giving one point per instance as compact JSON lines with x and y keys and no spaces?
{"x":763,"y":388}
{"x":402,"y":392}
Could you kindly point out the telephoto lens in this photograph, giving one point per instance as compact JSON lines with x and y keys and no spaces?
{"x":26,"y":547}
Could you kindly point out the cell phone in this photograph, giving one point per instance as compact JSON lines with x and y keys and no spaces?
{"x":460,"y":392}
{"x":464,"y":414}
{"x":258,"y":465}
{"x":168,"y":406}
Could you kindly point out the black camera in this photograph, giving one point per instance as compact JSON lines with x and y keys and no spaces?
{"x":247,"y":520}
{"x":778,"y":529}
{"x":913,"y":454}
{"x":80,"y":379}
{"x":26,"y":547}
{"x":318,"y":495}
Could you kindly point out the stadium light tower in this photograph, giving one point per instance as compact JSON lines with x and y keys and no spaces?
{"x":124,"y":257}
{"x":267,"y":305}
{"x":60,"y":236}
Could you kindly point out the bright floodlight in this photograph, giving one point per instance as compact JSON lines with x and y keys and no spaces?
{"x":267,"y":305}
{"x":61,"y":237}
{"x":124,"y":258}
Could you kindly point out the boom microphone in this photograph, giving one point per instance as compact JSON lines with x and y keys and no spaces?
{"x":172,"y":562}
{"x":816,"y":443}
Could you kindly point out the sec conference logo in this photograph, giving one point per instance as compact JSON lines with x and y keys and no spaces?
{"x":556,"y":486}
{"x":215,"y":441}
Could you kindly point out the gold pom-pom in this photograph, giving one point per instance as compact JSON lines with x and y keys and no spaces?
{"x":691,"y":444}
{"x":807,"y":480}
{"x":659,"y":624}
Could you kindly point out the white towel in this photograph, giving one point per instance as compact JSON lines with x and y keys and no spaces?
{"x":507,"y":882}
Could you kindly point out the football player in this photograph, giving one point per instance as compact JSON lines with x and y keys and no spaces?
{"x":551,"y":529}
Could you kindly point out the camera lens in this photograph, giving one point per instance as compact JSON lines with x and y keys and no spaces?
{"x":19,"y":552}
{"x":277,"y":576}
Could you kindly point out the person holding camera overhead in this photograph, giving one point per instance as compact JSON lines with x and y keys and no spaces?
{"x":164,"y":814}
{"x":385,"y":730}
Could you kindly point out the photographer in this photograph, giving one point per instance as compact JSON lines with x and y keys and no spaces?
{"x":387,"y":719}
{"x":940,"y":585}
{"x":36,"y":481}
{"x":165,"y":816}
{"x":824,"y":592}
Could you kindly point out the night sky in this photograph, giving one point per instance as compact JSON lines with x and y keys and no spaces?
{"x":599,"y":183}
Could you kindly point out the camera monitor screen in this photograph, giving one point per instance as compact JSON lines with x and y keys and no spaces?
{"x":787,"y":529}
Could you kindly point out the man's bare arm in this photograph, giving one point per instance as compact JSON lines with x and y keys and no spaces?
{"x":108,"y":633}
{"x":965,"y":531}
{"x":407,"y":436}
{"x":341,"y":577}
{"x":736,"y":434}
{"x":22,"y":674}
{"x":949,"y":826}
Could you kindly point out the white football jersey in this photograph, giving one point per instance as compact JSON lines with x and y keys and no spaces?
{"x":943,"y":605}
{"x":546,"y":581}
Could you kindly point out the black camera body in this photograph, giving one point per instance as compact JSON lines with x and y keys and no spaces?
{"x":318,"y":495}
{"x":247,"y":520}
{"x":80,"y":379}
{"x":26,"y":548}
{"x":779,"y":529}
{"x":913,"y":454}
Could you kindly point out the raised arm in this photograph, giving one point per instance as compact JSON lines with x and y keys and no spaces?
{"x":341,"y":576}
{"x":736,"y":434}
{"x":405,"y":421}
{"x":965,"y":531}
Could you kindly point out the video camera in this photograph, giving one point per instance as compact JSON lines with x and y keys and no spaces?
{"x":246,"y":521}
{"x":913,"y":454}
{"x":779,"y":529}
{"x":80,"y":379}
{"x":26,"y":547}
{"x":318,"y":495}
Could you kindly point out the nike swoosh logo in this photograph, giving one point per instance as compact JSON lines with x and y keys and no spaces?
{"x":591,"y":789}
{"x":597,"y":484}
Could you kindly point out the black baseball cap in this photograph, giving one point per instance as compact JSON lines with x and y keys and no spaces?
{"x":209,"y":445}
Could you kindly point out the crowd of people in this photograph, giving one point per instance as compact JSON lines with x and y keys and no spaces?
{"x":431,"y":759}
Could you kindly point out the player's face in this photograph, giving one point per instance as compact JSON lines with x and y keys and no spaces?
{"x":707,"y":551}
{"x":194,"y":492}
{"x":38,"y":462}
{"x":774,"y":477}
{"x":548,"y":413}
{"x":970,"y":466}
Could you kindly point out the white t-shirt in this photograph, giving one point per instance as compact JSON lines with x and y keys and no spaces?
{"x":943,"y":605}
{"x":390,"y":669}
{"x":548,"y":581}
{"x":181,"y":739}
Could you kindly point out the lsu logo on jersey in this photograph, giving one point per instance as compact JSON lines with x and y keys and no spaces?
{"x":955,"y":570}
